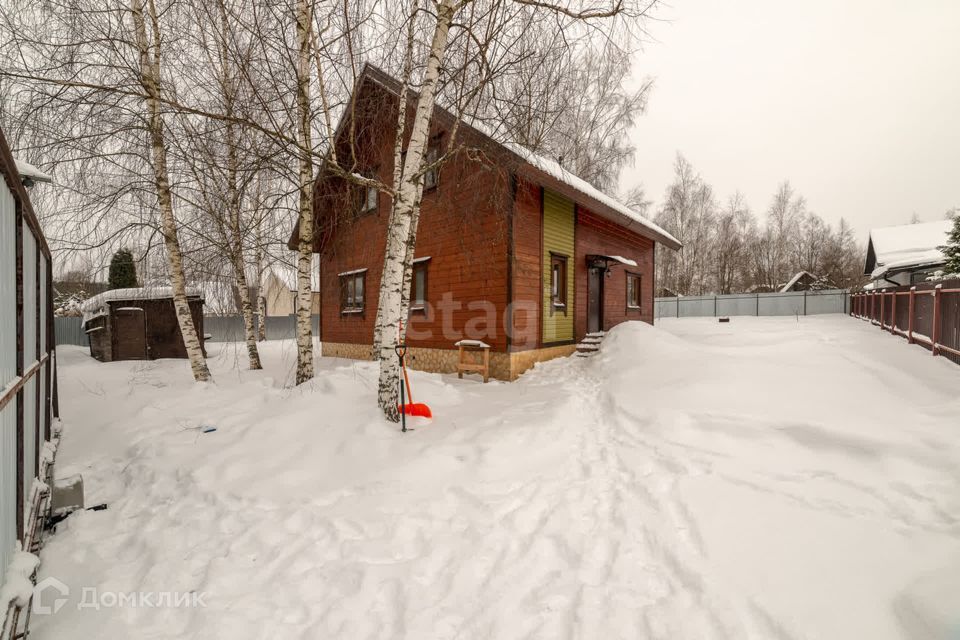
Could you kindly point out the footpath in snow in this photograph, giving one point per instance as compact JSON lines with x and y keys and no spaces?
{"x":764,"y":479}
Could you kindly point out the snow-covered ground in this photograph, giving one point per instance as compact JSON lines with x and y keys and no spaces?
{"x":764,"y":479}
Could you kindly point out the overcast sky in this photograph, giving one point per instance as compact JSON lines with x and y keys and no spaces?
{"x":856,"y":102}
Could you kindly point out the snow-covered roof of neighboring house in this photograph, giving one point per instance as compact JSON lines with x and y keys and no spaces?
{"x":794,"y":280}
{"x":27,"y":170}
{"x":907,"y":246}
{"x":97,"y":305}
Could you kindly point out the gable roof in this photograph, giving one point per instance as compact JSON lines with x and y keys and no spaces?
{"x":795,"y":279}
{"x":906,"y":246}
{"x":536,"y":168}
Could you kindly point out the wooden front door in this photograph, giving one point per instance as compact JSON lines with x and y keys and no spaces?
{"x":594,"y":299}
{"x":129,"y":334}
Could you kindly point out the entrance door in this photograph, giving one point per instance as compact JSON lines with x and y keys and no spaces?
{"x":129,"y":334}
{"x":594,"y":299}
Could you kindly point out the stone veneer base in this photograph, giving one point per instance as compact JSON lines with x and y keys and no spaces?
{"x":503,"y":366}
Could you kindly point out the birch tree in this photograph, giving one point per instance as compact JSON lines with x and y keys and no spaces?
{"x":150,"y":60}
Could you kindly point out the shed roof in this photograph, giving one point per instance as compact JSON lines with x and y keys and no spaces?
{"x":96,"y":306}
{"x":906,"y":246}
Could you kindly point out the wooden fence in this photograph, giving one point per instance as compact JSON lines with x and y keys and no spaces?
{"x":924,"y":314}
{"x":27,"y":379}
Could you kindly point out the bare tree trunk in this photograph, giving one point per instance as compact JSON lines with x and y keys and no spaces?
{"x":405,"y":205}
{"x":261,"y":299}
{"x":233,"y":195}
{"x":305,"y":240}
{"x":150,"y":80}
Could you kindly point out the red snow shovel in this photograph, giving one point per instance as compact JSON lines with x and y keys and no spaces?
{"x":409,"y":408}
{"x":412,"y":408}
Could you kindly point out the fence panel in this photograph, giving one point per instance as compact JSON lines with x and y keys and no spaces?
{"x":935,"y":321}
{"x":69,"y":330}
{"x":737,"y":305}
{"x":8,"y":372}
{"x":754,"y":304}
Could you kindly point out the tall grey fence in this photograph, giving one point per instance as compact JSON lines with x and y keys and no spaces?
{"x":803,"y":303}
{"x":219,"y":328}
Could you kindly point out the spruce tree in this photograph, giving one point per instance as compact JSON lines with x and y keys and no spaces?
{"x":123,"y":272}
{"x":952,"y":249}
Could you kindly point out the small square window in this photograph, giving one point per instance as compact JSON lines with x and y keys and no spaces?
{"x":351,"y":292}
{"x":633,"y":291}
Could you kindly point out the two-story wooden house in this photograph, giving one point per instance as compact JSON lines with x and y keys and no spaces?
{"x":512,"y":249}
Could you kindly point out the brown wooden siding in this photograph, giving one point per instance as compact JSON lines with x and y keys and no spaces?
{"x":597,"y":235}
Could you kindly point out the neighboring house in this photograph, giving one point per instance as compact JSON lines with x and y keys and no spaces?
{"x":905,"y":254}
{"x":512,"y":249}
{"x":801,"y":281}
{"x":280,"y":288}
{"x":220,"y":297}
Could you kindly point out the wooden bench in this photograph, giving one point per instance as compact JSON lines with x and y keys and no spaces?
{"x":480,"y":364}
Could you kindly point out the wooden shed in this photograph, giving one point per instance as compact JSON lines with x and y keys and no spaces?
{"x":138,"y":324}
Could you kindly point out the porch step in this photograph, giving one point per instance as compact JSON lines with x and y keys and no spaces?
{"x":590,"y":345}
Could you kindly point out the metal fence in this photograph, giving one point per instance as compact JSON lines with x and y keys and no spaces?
{"x":804,"y":303}
{"x":27,"y":375}
{"x":924,"y":314}
{"x":69,"y":330}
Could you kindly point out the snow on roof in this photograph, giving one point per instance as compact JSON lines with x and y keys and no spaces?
{"x":796,"y":278}
{"x":556,"y":170}
{"x":96,"y":305}
{"x":27,"y":170}
{"x":908,"y":245}
{"x":546,"y":165}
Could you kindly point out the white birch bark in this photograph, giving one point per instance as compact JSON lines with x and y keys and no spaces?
{"x":398,"y":153}
{"x":261,"y":298}
{"x":305,"y":239}
{"x":150,"y":80}
{"x":405,"y":205}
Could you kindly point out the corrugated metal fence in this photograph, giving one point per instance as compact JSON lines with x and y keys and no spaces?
{"x":925,"y":314}
{"x":804,"y":303}
{"x":219,"y":328}
{"x":27,"y":371}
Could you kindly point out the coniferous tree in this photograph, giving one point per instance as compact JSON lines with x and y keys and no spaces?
{"x":123,"y":271}
{"x":952,"y":249}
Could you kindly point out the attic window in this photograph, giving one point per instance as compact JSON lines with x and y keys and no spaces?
{"x":432,"y":177}
{"x":369,"y":196}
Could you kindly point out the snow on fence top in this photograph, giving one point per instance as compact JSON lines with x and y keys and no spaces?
{"x":906,"y":245}
{"x":97,"y":305}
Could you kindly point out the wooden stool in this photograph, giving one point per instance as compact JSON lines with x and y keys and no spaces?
{"x":479,"y":365}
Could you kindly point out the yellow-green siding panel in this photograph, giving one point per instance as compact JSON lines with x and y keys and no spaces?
{"x":558,"y":224}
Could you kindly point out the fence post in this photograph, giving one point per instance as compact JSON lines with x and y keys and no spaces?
{"x":678,"y":305}
{"x":912,"y":306}
{"x":804,"y":302}
{"x":936,"y":318}
{"x":883,"y":304}
{"x":758,"y":304}
{"x":893,"y":313}
{"x":714,"y":306}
